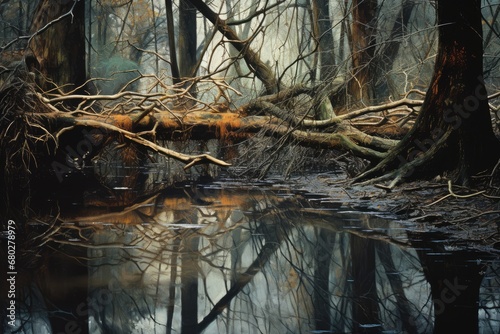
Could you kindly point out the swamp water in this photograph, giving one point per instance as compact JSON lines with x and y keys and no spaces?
{"x":253,"y":258}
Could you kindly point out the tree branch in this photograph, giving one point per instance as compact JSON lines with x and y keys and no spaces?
{"x":261,"y":70}
{"x":190,"y":160}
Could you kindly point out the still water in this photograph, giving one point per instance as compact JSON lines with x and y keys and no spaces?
{"x":226,"y":258}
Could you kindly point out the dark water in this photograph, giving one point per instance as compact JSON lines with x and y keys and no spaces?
{"x":255,"y":259}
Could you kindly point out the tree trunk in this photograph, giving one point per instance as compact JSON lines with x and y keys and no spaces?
{"x":187,"y":39}
{"x":363,"y":35}
{"x":327,"y":69}
{"x":187,"y":46}
{"x":174,"y":67}
{"x":59,"y":44}
{"x":323,"y":32}
{"x":453,"y":132}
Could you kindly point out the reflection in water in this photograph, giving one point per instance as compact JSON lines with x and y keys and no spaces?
{"x":217,"y":260}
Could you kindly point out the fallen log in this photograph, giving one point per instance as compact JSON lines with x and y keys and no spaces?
{"x":205,"y":125}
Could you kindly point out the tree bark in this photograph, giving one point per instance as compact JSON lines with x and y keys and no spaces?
{"x":327,"y":69}
{"x":324,"y":33}
{"x":453,"y":133}
{"x":363,"y":35}
{"x":59,"y":43}
{"x":187,"y":39}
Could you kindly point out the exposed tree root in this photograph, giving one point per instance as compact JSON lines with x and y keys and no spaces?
{"x":406,"y":168}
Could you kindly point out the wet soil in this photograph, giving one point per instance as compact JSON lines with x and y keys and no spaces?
{"x":467,"y":217}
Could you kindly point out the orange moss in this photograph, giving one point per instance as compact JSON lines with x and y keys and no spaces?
{"x":129,"y":155}
{"x":166,"y":121}
{"x":226,"y":124}
{"x":123,"y":122}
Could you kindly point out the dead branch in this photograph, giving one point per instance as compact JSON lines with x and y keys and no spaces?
{"x":261,"y":70}
{"x":190,"y":160}
{"x":360,"y":112}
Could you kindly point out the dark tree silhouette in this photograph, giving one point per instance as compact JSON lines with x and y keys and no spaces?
{"x":453,"y":133}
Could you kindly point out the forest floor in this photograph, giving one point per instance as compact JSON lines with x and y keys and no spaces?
{"x":467,"y":217}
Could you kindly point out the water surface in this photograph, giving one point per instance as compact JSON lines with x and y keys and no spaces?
{"x":226,"y":258}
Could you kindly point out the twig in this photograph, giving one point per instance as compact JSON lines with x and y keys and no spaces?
{"x":477,"y":215}
{"x":462,"y":196}
{"x":451,"y":193}
{"x":437,"y":201}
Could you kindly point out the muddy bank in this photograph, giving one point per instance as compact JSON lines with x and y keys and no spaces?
{"x":469,"y":217}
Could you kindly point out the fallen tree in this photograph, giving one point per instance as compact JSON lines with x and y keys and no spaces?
{"x":41,"y":131}
{"x":141,"y":118}
{"x":150,"y":118}
{"x":369,"y":133}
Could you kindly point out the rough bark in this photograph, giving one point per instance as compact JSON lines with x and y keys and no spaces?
{"x":59,"y":43}
{"x":363,"y":36}
{"x":187,"y":39}
{"x":453,"y":133}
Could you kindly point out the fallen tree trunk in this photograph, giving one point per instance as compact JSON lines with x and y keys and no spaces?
{"x":205,"y":125}
{"x":149,"y":119}
{"x":143,"y":118}
{"x":39,"y":130}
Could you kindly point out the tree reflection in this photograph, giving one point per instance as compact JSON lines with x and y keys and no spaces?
{"x":219,"y":260}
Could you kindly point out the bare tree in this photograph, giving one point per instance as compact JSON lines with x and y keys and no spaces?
{"x":363,"y":41}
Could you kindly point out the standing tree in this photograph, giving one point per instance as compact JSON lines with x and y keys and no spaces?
{"x":363,"y":42}
{"x":187,"y":39}
{"x":59,"y":42}
{"x":187,"y":45}
{"x":324,"y":33}
{"x":453,"y":133}
{"x":388,"y":52}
